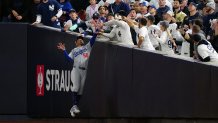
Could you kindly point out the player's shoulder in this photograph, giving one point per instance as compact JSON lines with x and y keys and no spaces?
{"x":202,"y":47}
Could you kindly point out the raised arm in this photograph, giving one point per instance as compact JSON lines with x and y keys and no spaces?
{"x":111,"y":34}
{"x":61,"y":46}
{"x":114,"y":22}
{"x":92,"y":40}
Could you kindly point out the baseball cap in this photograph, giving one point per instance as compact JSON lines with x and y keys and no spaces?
{"x":144,"y":3}
{"x":72,"y":10}
{"x":194,"y":4}
{"x":152,"y":6}
{"x":95,"y":15}
{"x":79,"y":37}
{"x":196,"y":37}
{"x":211,"y":5}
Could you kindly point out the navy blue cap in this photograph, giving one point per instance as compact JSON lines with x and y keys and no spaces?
{"x":95,"y":15}
{"x":194,"y":4}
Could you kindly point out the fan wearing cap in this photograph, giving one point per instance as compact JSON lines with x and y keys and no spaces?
{"x":166,"y":42}
{"x":80,"y":56}
{"x":66,"y":7}
{"x":121,"y":31}
{"x":211,"y":14}
{"x":193,"y":13}
{"x":94,"y":24}
{"x":205,"y":49}
{"x":73,"y":22}
{"x":162,"y":8}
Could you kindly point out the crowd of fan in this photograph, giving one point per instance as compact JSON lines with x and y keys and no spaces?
{"x":171,"y":26}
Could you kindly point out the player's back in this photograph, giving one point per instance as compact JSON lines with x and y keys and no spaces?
{"x":123,"y":33}
{"x":206,"y":50}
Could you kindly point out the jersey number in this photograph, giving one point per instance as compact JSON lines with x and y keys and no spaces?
{"x":170,"y":44}
{"x":210,"y":47}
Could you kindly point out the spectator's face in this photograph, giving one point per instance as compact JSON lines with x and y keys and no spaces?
{"x":102,"y":10}
{"x":132,"y":14}
{"x":162,"y":28}
{"x":144,"y":10}
{"x":166,"y":16}
{"x":191,"y":8}
{"x":73,"y":15}
{"x":184,"y":3}
{"x":92,"y":2}
{"x":79,"y":42}
{"x":208,"y":9}
{"x":162,"y":3}
{"x":176,"y":4}
{"x":137,"y":7}
{"x":152,"y":10}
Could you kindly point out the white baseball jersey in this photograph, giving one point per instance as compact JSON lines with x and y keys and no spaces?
{"x":122,"y":31}
{"x":166,"y":45}
{"x":207,"y":50}
{"x":146,"y":44}
{"x":174,"y":32}
{"x":154,"y":30}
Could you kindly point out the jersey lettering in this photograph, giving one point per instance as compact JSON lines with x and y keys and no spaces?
{"x":119,"y":33}
{"x":80,"y":52}
{"x":210,"y":47}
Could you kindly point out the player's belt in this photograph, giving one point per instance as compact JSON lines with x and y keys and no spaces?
{"x":82,"y":68}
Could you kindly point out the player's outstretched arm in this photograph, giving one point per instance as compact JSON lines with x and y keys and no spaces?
{"x":92,"y":40}
{"x":61,"y":46}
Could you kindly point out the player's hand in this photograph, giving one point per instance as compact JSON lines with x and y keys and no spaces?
{"x":106,"y":4}
{"x":34,"y":23}
{"x":14,"y":13}
{"x":54,"y":18}
{"x":61,"y":46}
{"x":99,"y":33}
{"x":19,"y":17}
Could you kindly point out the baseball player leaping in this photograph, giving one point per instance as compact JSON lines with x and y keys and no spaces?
{"x":80,"y":56}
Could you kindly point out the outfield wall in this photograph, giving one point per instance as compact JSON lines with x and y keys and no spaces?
{"x":121,"y":81}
